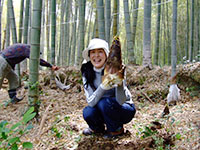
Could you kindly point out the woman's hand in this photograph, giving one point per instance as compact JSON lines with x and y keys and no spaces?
{"x":110,"y":81}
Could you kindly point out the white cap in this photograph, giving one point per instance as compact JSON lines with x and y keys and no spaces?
{"x":95,"y":44}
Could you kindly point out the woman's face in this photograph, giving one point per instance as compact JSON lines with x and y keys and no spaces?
{"x":97,"y":57}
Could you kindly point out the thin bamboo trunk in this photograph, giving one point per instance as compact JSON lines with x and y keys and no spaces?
{"x":174,"y":34}
{"x":33,"y":95}
{"x":53,"y":30}
{"x":131,"y":56}
{"x":156,"y":51}
{"x":191,"y":53}
{"x":101,"y":20}
{"x":147,"y":62}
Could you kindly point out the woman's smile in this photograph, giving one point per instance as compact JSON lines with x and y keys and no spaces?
{"x":97,"y":57}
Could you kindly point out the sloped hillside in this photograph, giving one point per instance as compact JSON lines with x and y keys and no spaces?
{"x":61,"y":123}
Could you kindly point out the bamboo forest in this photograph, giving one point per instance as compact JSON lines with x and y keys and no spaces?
{"x":100,"y":74}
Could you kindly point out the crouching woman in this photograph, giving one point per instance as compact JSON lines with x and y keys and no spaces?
{"x":109,"y":107}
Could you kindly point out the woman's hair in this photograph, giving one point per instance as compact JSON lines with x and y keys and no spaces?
{"x":89,"y":74}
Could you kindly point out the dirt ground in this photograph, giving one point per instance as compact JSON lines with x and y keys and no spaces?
{"x":61,"y":123}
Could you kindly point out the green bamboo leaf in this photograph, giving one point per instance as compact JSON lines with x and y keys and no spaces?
{"x":3,"y":135}
{"x":31,"y":109}
{"x":16,"y":125}
{"x":178,"y":136}
{"x":14,"y":140}
{"x":3,"y":124}
{"x":27,"y":145}
{"x":14,"y":147}
{"x":29,"y":117}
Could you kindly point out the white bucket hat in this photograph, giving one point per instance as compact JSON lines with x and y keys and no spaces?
{"x":95,"y":44}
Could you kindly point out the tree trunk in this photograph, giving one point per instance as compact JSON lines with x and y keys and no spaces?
{"x":131,"y":56}
{"x":12,"y":21}
{"x":21,"y":21}
{"x":101,"y":20}
{"x":53,"y":30}
{"x":81,"y":31}
{"x":33,"y":96}
{"x":25,"y":31}
{"x":135,"y":16}
{"x":74,"y":34}
{"x":187,"y":33}
{"x":7,"y":27}
{"x":14,"y":32}
{"x":147,"y":62}
{"x":156,"y":52}
{"x":174,"y":33}
{"x":68,"y":33}
{"x":26,"y":22}
{"x":108,"y":19}
{"x":192,"y":33}
{"x":168,"y":39}
{"x":61,"y":41}
{"x":47,"y":30}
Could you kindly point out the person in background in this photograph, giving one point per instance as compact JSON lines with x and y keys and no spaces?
{"x":109,"y":107}
{"x":11,"y":56}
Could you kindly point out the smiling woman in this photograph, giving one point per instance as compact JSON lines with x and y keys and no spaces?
{"x":97,"y":57}
{"x":109,"y":104}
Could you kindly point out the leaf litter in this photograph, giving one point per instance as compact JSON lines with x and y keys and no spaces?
{"x":61,"y":123}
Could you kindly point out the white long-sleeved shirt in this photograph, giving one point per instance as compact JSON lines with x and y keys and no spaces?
{"x":121,"y":93}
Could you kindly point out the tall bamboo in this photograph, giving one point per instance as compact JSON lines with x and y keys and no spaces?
{"x":187,"y":32}
{"x":168,"y":37}
{"x":67,"y":32}
{"x":147,"y":62}
{"x":174,"y":34}
{"x":81,"y":31}
{"x":74,"y":28}
{"x":14,"y":32}
{"x":101,"y":20}
{"x":26,"y":22}
{"x":12,"y":21}
{"x":48,"y":29}
{"x":25,"y":30}
{"x":156,"y":51}
{"x":7,"y":27}
{"x":107,"y":20}
{"x":191,"y":53}
{"x":33,"y":95}
{"x":21,"y":22}
{"x":128,"y":33}
{"x":135,"y":18}
{"x":53,"y":30}
{"x":61,"y":41}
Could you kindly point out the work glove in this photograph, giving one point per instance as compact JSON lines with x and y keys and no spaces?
{"x":110,"y":81}
{"x":174,"y":94}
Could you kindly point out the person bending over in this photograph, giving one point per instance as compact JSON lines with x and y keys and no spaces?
{"x":11,"y":56}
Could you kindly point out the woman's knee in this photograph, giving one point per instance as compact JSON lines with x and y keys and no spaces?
{"x":103,"y":104}
{"x":106,"y":104}
{"x":88,"y":112}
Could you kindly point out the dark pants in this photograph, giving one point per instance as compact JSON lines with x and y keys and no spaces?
{"x":107,"y":111}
